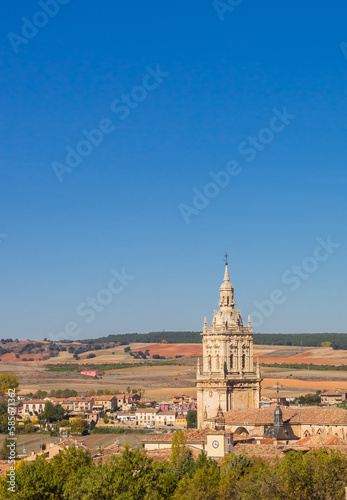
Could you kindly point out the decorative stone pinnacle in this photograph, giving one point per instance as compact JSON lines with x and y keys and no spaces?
{"x":226,"y":274}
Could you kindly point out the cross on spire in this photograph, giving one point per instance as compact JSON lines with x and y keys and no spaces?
{"x":226,"y":258}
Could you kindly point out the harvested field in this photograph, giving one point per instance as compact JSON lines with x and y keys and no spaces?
{"x":32,"y":442}
{"x":171,"y":350}
{"x":299,"y":360}
{"x":295,"y":387}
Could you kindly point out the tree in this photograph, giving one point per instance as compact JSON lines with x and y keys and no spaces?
{"x":63,"y":423}
{"x":309,"y":399}
{"x":79,"y":426}
{"x":29,"y":428}
{"x":192,"y":419}
{"x":52,"y":413}
{"x":178,"y":446}
{"x":40,"y":394}
{"x":141,"y":392}
{"x":8,"y":381}
{"x":202,"y":486}
{"x":131,"y":475}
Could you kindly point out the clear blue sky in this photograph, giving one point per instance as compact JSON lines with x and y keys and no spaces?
{"x":121,"y":207}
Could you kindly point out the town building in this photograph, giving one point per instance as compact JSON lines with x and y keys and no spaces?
{"x":227,"y":377}
{"x":120,"y":400}
{"x":146,"y":416}
{"x":80,"y":404}
{"x":332,"y":397}
{"x":108,"y":402}
{"x":33,"y":406}
{"x":131,"y":398}
{"x":92,"y":373}
{"x":266,"y":402}
{"x":165,"y":417}
{"x":181,"y":420}
{"x":180,"y":399}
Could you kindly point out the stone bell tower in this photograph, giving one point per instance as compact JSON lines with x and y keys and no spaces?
{"x":227,"y":378}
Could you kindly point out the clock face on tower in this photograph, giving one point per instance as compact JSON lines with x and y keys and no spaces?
{"x":215,"y":444}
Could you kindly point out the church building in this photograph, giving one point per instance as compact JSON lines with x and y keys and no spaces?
{"x":226,"y":379}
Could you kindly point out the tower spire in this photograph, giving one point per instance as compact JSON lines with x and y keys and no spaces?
{"x":226,"y":273}
{"x":226,"y":289}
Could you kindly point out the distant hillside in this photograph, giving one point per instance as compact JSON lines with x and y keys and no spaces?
{"x":153,"y":337}
{"x":337,"y":340}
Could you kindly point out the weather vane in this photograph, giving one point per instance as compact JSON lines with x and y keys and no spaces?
{"x":226,"y":258}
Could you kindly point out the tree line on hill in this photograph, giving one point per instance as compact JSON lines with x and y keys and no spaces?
{"x":72,"y":367}
{"x":334,"y":340}
{"x":134,"y":475}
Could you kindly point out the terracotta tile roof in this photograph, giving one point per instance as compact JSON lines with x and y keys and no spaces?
{"x":265,"y":416}
{"x":165,"y":453}
{"x":147,"y":410}
{"x":331,"y":393}
{"x":109,"y":397}
{"x":81,"y":399}
{"x":191,"y":435}
{"x":314,"y":441}
{"x":238,"y":437}
{"x":267,"y":452}
{"x":266,"y":441}
{"x":35,"y":401}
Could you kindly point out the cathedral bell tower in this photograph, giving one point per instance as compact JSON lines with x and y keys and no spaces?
{"x":226,"y":379}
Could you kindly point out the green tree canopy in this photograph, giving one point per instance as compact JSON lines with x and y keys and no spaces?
{"x":52,"y":413}
{"x":192,"y":419}
{"x":8,"y":381}
{"x":79,"y":426}
{"x":178,"y":446}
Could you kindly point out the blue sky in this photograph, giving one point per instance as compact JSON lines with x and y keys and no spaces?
{"x":121,"y":208}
